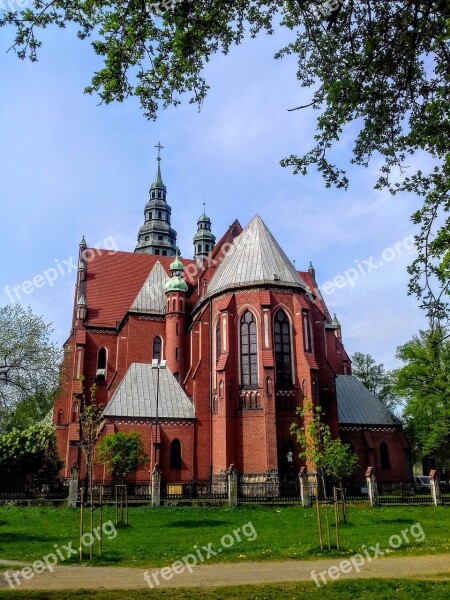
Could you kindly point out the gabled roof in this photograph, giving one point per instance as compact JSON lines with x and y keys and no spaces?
{"x":151,"y":297}
{"x":255,"y":257}
{"x":358,"y":406}
{"x":113,"y":281}
{"x":136,"y":395}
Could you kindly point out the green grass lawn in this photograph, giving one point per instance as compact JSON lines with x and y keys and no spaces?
{"x":159,"y":536}
{"x":371,"y":589}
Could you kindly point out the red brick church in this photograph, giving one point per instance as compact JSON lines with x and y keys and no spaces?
{"x":209,"y":358}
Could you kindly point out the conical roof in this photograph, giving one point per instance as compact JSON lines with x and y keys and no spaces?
{"x":255,"y":258}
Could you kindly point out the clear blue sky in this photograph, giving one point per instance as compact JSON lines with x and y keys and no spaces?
{"x":70,"y":168}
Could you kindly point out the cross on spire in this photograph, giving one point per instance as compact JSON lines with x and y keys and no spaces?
{"x":158,"y":145}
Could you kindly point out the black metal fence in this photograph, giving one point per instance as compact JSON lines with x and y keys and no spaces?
{"x":403,"y":493}
{"x":34,"y":489}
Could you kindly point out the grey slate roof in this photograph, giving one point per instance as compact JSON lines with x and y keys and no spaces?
{"x":136,"y":395}
{"x":151,"y":297}
{"x":358,"y":406}
{"x":255,"y":258}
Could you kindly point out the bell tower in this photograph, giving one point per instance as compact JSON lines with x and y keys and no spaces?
{"x":156,"y":235}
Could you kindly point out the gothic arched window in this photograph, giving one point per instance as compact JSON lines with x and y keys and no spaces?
{"x":218,"y":341}
{"x":157,"y":348}
{"x":306,"y":332}
{"x":60,"y":417}
{"x":249,"y":350}
{"x":283,"y":358}
{"x":384,"y":456}
{"x":175,"y":454}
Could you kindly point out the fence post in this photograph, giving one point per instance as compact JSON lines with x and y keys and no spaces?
{"x":156,"y":486}
{"x":435,"y":488}
{"x":304,"y":487}
{"x":232,"y":486}
{"x":372,"y":486}
{"x":72,"y":498}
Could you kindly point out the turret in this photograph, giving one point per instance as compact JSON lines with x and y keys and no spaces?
{"x":204,"y":239}
{"x":176,"y":289}
{"x":337,"y":327}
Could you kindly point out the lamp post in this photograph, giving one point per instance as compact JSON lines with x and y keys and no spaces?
{"x":156,"y":364}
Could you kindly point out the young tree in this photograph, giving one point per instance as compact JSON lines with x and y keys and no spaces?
{"x":381,"y":66}
{"x":329,"y":456}
{"x":123,"y":453}
{"x":376,"y":379}
{"x":424,"y":382}
{"x":29,"y":362}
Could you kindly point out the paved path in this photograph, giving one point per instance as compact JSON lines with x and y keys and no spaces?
{"x":81,"y":577}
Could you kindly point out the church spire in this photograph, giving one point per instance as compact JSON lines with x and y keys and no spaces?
{"x":156,"y":235}
{"x":204,"y":239}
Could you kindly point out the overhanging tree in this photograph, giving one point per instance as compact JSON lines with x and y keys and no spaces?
{"x":380,"y":65}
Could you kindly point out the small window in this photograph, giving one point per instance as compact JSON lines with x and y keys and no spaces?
{"x":153,"y":195}
{"x":150,"y":215}
{"x":147,"y":238}
{"x":175,"y":455}
{"x":160,"y":238}
{"x":206,"y":247}
{"x":101,"y":366}
{"x":176,"y":353}
{"x":75,"y":412}
{"x":60,"y":417}
{"x":157,"y":252}
{"x":181,"y":305}
{"x":164,"y":252}
{"x":159,"y":214}
{"x":177,"y":329}
{"x":157,"y":348}
{"x":159,"y":194}
{"x":384,"y":456}
{"x":199,"y":248}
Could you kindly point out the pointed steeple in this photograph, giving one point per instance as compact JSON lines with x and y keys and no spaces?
{"x":204,"y":239}
{"x":156,"y":235}
{"x":158,"y":183}
{"x":311,"y":270}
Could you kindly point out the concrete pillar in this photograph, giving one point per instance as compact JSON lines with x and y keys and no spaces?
{"x":156,"y":486}
{"x":304,"y":487}
{"x":435,"y":488}
{"x":73,"y":487}
{"x":232,"y":486}
{"x":372,"y":486}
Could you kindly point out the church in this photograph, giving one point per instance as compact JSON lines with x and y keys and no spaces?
{"x":209,"y":358}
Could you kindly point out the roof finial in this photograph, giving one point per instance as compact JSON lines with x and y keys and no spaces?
{"x":158,"y":145}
